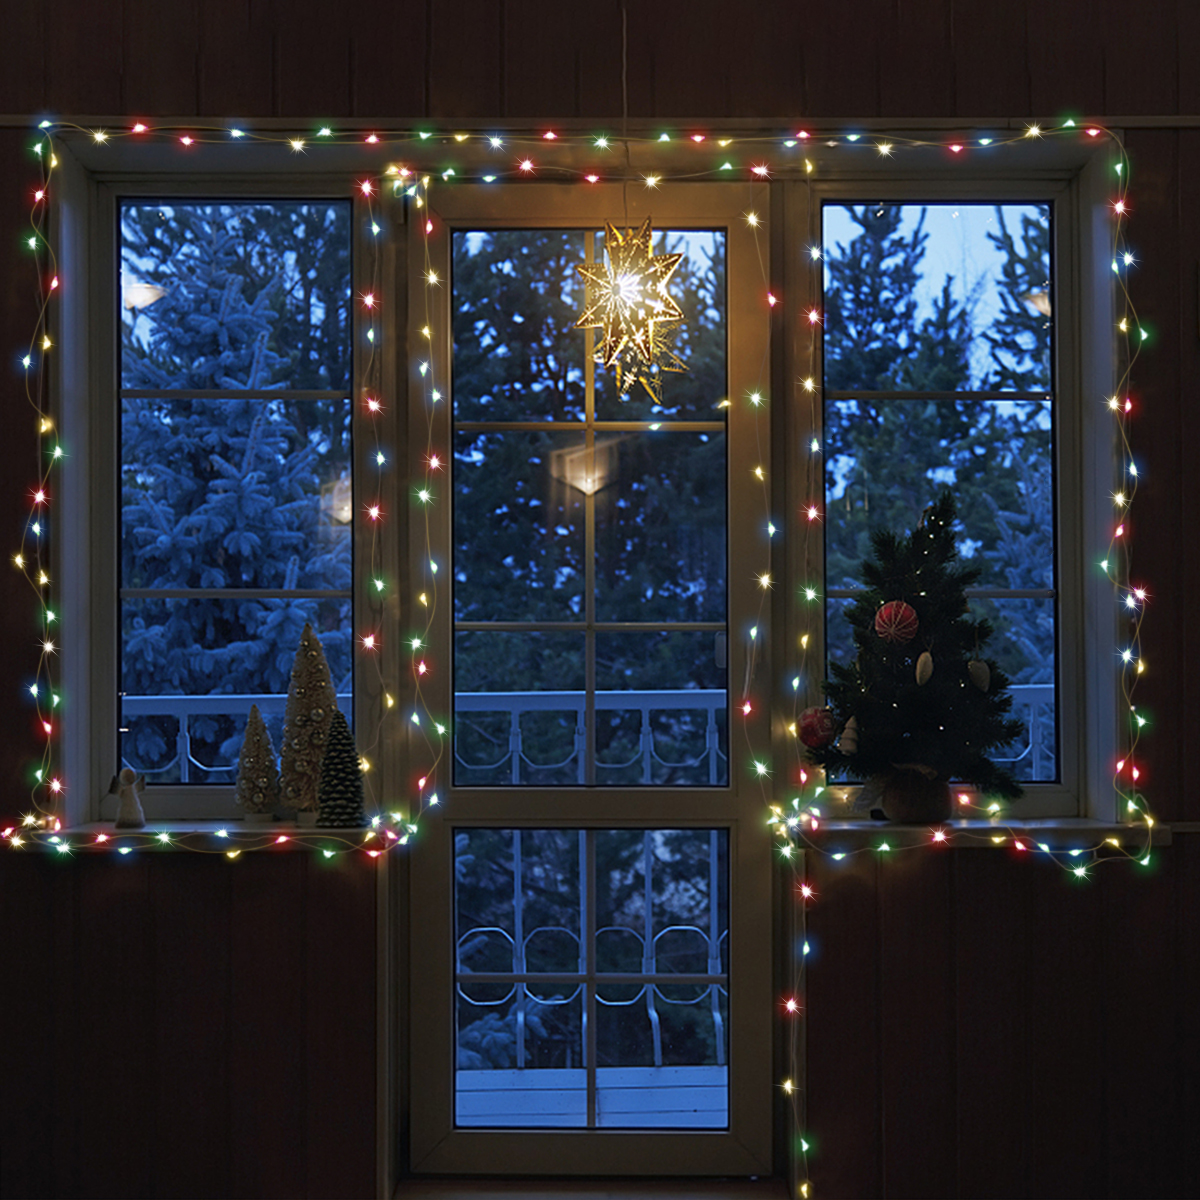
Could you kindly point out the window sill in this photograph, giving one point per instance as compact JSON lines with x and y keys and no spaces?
{"x":614,"y":1189}
{"x":1056,"y":833}
{"x":213,"y":837}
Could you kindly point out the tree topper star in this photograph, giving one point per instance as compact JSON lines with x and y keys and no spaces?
{"x":629,"y":301}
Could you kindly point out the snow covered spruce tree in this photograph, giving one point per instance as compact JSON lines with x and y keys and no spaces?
{"x":225,"y":492}
{"x":920,"y":705}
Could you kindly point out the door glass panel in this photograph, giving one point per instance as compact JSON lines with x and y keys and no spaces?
{"x":591,"y":978}
{"x":581,"y":517}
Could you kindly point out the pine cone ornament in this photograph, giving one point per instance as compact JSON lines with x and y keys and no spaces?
{"x":924,"y":668}
{"x":980,"y":673}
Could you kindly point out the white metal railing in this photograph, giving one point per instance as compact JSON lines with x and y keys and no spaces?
{"x":184,"y":708}
{"x":1033,"y":703}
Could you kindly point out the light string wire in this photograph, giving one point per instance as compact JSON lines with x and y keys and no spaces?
{"x":796,"y":822}
{"x":403,"y":179}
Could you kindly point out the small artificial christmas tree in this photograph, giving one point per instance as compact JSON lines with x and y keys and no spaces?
{"x":311,"y":704}
{"x":341,"y":791}
{"x":258,"y":774}
{"x":920,"y":705}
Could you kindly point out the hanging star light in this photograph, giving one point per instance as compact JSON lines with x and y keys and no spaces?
{"x":629,"y":301}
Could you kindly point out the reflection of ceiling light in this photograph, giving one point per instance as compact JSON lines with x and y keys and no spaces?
{"x":137,"y":294}
{"x":1038,"y":301}
{"x":337,"y":501}
{"x":588,"y":471}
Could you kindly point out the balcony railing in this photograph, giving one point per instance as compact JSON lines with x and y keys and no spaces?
{"x":1033,"y":759}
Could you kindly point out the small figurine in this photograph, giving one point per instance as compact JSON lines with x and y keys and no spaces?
{"x":129,"y":809}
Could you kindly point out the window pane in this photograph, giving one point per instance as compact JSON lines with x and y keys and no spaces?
{"x":660,"y":529}
{"x":222,"y":295}
{"x":937,"y":297}
{"x":517,"y":296}
{"x":518,"y":708}
{"x":190,"y":669}
{"x":236,"y":493}
{"x":518,"y":526}
{"x":661,"y":710}
{"x":886,"y":461}
{"x":698,"y":285}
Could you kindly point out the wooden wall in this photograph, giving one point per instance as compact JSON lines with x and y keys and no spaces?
{"x":177,"y":1025}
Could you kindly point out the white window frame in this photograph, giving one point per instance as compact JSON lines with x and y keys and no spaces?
{"x":85,"y":399}
{"x":1076,"y":181}
{"x":436,"y":1146}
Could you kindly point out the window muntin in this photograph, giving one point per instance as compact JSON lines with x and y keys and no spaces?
{"x":938,"y":369}
{"x":590,"y":538}
{"x":235,"y":470}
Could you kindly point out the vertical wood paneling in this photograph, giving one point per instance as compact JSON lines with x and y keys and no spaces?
{"x":691,"y":67}
{"x":29,"y":1011}
{"x":191,"y":1007}
{"x":1069,"y":1024}
{"x":312,"y":60}
{"x":388,"y":63}
{"x":842,"y":1028}
{"x":916,"y":74}
{"x":991,"y":59}
{"x":466,"y":52}
{"x":1187,"y":54}
{"x":991,"y":965}
{"x":23,"y":80}
{"x":541,"y":53}
{"x":267,"y":1029}
{"x":765,"y":56}
{"x":917,"y":1023}
{"x":1160,"y":455}
{"x":1186,"y":851}
{"x":598,"y":62}
{"x":841,"y":66}
{"x":1066,"y":60}
{"x":1187,"y":257}
{"x":160,"y":51}
{"x":1139,"y":60}
{"x":113,"y":1088}
{"x":1139,"y":923}
{"x":84,"y":62}
{"x":19,"y":178}
{"x":339,"y":1043}
{"x":235,"y":59}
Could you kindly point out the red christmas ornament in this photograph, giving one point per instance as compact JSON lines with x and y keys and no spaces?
{"x":896,"y":622}
{"x":817,"y":727}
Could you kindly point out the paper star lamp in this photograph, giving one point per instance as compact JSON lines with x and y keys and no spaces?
{"x":627,"y":298}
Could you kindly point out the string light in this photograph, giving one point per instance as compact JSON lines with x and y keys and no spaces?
{"x":803,"y":817}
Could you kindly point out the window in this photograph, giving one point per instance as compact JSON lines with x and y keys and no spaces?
{"x":208,"y":407}
{"x":964,"y":329}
